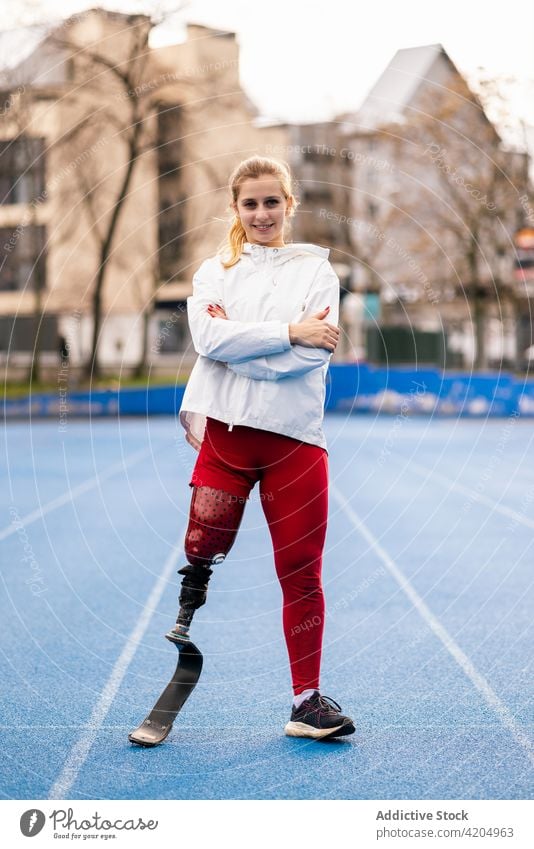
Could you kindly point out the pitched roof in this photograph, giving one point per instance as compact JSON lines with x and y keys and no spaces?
{"x":17,"y":45}
{"x":398,"y":84}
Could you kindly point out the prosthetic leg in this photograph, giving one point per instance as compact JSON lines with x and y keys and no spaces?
{"x":157,"y":725}
{"x":201,"y":539}
{"x":193,"y":595}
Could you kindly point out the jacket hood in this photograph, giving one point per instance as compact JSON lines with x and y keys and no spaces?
{"x":278,"y":256}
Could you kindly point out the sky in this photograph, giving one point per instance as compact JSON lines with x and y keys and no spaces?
{"x":308,"y":60}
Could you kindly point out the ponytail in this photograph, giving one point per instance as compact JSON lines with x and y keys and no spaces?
{"x":234,"y":242}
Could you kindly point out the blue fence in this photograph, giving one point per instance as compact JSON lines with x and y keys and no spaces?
{"x":148,"y":401}
{"x":364,"y":388}
{"x":351,"y":388}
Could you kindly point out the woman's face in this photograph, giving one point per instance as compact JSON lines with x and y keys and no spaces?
{"x":262,"y":208}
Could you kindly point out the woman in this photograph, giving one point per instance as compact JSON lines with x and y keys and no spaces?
{"x":253,"y":408}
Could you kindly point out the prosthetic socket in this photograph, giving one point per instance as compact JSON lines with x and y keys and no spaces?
{"x":214,"y":520}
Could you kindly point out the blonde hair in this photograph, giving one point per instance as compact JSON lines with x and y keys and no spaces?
{"x":255,"y":166}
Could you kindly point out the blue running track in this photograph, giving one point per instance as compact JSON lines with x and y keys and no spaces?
{"x":428,"y":645}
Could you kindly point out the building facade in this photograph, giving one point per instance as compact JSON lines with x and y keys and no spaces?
{"x":435,"y":204}
{"x":417,"y":196}
{"x":114,"y":156}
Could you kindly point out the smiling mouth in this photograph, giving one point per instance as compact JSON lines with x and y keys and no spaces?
{"x":262,"y":226}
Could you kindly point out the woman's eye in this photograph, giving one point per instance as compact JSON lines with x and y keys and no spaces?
{"x":271,"y":202}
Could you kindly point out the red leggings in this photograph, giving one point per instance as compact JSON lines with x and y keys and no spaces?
{"x":293,"y":478}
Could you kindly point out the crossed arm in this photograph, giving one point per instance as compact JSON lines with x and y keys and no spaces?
{"x":267,"y":350}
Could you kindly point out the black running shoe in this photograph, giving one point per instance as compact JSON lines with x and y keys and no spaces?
{"x":318,"y":717}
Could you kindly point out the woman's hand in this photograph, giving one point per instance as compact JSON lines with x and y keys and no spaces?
{"x":314,"y":332}
{"x":216,"y":311}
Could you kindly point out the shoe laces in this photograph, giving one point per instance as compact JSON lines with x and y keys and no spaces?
{"x":327,"y":703}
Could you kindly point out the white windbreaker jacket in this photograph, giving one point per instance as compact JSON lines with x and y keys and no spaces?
{"x":247,"y":372}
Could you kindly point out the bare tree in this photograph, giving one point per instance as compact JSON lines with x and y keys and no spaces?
{"x":123,"y":94}
{"x":472,"y":185}
{"x":110,"y":95}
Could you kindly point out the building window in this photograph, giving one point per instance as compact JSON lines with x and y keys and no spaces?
{"x":171,"y":239}
{"x":22,"y":258}
{"x":22,"y":170}
{"x":315,"y":153}
{"x":169,"y":140}
{"x":372,"y":209}
{"x":171,"y":195}
{"x":18,"y":333}
{"x":172,"y":332}
{"x":317,"y":194}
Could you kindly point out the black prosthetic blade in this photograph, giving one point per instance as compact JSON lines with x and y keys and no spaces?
{"x":157,"y":725}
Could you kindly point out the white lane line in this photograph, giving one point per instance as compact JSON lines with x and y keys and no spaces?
{"x":471,"y":493}
{"x":478,"y":680}
{"x":82,"y":747}
{"x":73,"y":493}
